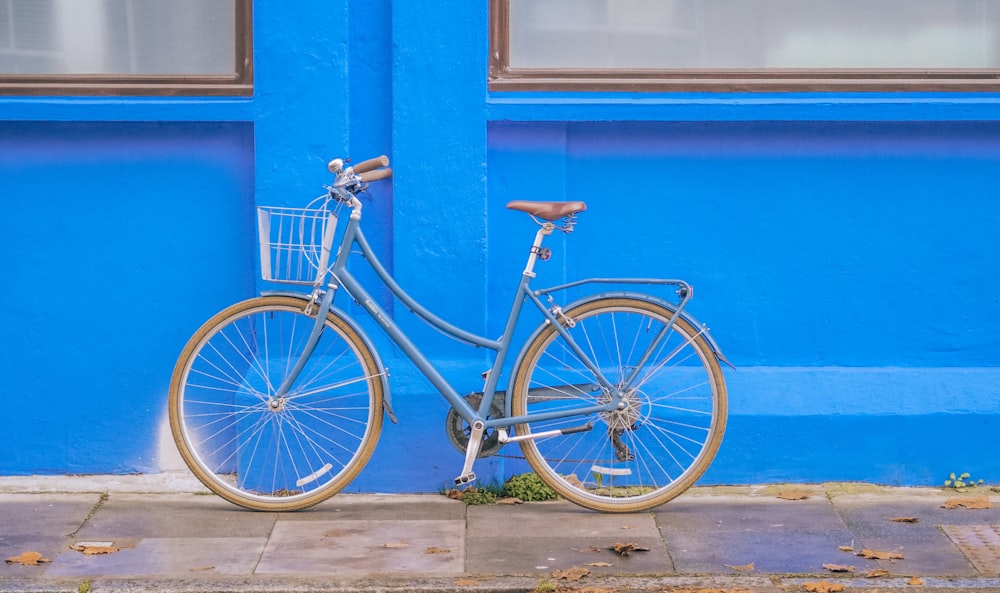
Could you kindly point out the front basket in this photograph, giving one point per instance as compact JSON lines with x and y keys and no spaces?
{"x":295,"y":243}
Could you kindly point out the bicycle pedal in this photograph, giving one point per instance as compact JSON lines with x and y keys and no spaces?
{"x":465,"y":479}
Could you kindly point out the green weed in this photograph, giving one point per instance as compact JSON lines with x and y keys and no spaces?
{"x":961,"y":482}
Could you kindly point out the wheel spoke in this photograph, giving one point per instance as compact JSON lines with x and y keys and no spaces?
{"x":262,"y":451}
{"x":663,"y":434}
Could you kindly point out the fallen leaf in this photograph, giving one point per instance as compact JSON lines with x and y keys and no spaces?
{"x":794,"y":494}
{"x":437,"y":550}
{"x":744,"y":567}
{"x":203,"y":569}
{"x":846,"y":548}
{"x":627,"y":527}
{"x":626,"y":549}
{"x":602,"y":564}
{"x":94,"y":550}
{"x":28,"y":559}
{"x":978,"y":502}
{"x":589,"y":549}
{"x":876,"y":573}
{"x":466,"y":582}
{"x":571,"y":574}
{"x":453,"y":494}
{"x":395,"y":545}
{"x":823,"y":587}
{"x":904,"y":519}
{"x":875,"y":555}
{"x":916,"y":581}
{"x":838,"y":568}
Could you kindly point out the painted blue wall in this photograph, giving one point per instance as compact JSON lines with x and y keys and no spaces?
{"x":120,"y":238}
{"x":844,"y":268}
{"x":841,"y":245}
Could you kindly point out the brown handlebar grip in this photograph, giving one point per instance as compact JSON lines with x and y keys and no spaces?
{"x":376,"y":175}
{"x":370,"y":164}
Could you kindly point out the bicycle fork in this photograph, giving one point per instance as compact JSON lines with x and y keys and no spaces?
{"x":277,"y":400}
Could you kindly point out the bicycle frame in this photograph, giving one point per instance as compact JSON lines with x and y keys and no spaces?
{"x":339,"y":277}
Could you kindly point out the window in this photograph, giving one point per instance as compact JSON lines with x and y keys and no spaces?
{"x":745,"y":45}
{"x":125,"y":47}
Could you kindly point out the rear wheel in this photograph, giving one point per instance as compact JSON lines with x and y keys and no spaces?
{"x":673,"y":409}
{"x":262,"y":451}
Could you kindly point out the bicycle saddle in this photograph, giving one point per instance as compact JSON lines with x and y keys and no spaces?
{"x":547,"y":210}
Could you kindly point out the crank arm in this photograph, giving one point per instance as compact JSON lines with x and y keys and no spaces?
{"x":505,"y":438}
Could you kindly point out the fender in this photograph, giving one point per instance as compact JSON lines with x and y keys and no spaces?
{"x":615,"y":294}
{"x":382,"y":373}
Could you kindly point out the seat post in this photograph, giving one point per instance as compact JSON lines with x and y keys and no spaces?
{"x":536,"y":248}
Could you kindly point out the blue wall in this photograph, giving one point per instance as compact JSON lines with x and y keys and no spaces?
{"x":841,"y":245}
{"x":845,"y":268}
{"x":120,"y":238}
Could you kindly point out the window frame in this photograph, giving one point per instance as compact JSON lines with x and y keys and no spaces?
{"x":240,"y":83}
{"x":503,"y":77}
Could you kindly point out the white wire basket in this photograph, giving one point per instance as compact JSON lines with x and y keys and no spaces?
{"x":295,"y":243}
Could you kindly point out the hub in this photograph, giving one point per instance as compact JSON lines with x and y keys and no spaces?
{"x":628,"y":413}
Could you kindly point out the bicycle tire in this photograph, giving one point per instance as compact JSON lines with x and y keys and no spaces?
{"x":263,"y":453}
{"x":673,"y":422}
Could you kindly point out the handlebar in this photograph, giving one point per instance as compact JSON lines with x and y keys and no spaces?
{"x":352,"y":179}
{"x":371,"y":164}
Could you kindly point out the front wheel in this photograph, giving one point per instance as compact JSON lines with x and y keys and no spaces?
{"x":670,"y":420}
{"x":253,"y":447}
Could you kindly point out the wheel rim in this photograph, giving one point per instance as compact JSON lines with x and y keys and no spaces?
{"x":670,"y":423}
{"x":253,"y":447}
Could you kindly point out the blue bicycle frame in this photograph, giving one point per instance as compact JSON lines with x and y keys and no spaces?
{"x":340,"y":277}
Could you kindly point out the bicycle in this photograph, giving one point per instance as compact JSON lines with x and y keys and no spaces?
{"x":617,"y":400}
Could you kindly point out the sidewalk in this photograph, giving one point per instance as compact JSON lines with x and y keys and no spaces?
{"x":171,"y":536}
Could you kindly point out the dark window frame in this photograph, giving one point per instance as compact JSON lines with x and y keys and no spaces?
{"x":504,"y":77}
{"x":238,"y":84}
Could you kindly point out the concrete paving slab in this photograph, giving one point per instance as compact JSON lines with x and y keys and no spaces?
{"x":15,"y":545}
{"x":53,"y":514}
{"x":926,"y":547}
{"x":174,"y":516}
{"x":402,"y":507}
{"x":871,"y":514}
{"x":925,"y":553}
{"x":351,"y":547}
{"x":771,"y":551}
{"x":712,"y":535}
{"x":539,"y":518}
{"x":179,"y":557}
{"x":749,"y":514}
{"x":515,"y":555}
{"x":542,"y":537}
{"x":39,"y":523}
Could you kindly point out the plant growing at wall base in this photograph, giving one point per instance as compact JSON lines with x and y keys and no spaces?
{"x":961,"y":482}
{"x":479,"y":496}
{"x":487,"y":494}
{"x":529,"y":488}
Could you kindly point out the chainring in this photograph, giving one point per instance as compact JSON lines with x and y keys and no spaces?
{"x":458,"y":430}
